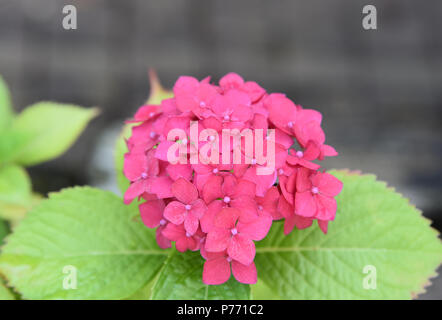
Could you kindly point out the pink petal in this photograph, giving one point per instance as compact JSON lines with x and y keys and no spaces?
{"x":326,"y":208}
{"x":184,"y":191}
{"x":257,"y":229}
{"x":191,"y":223}
{"x":254,"y":90}
{"x":281,"y":111}
{"x":285,"y":208}
{"x":174,"y":232}
{"x":263,"y":182}
{"x":242,"y":113}
{"x":327,"y":184}
{"x":245,"y":188}
{"x":216,"y":271}
{"x":298,"y":221}
{"x":231,"y":80}
{"x":309,"y":131}
{"x":163,"y":148}
{"x":161,"y":186}
{"x":243,"y":273}
{"x":270,"y":203}
{"x":152,"y":212}
{"x":199,"y":208}
{"x":247,"y":207}
{"x":303,"y":182}
{"x":134,"y":166}
{"x":260,"y":122}
{"x":327,"y":151}
{"x":283,"y":180}
{"x":218,"y":239}
{"x":162,"y":241}
{"x":175,"y":212}
{"x":207,"y":220}
{"x":147,"y":112}
{"x":305,"y":204}
{"x":176,"y":171}
{"x":311,"y":151}
{"x":229,"y":185}
{"x":283,"y":139}
{"x":323,"y":225}
{"x":135,"y":190}
{"x":241,"y":249}
{"x":184,"y":91}
{"x":212,"y":189}
{"x":226,"y":218}
{"x":308,"y":164}
{"x":182,"y":244}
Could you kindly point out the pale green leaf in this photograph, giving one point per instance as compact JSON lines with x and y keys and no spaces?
{"x":157,"y":92}
{"x":15,"y":192}
{"x":374,"y":227}
{"x":120,"y":150}
{"x":86,"y":229}
{"x":5,"y":293}
{"x":46,"y":130}
{"x":3,"y":230}
{"x":181,"y":278}
{"x":6,"y":113}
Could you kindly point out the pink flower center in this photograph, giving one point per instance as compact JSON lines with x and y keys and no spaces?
{"x":188,"y":207}
{"x":229,"y":259}
{"x":153,"y":134}
{"x":184,"y":141}
{"x":211,"y":138}
{"x":260,"y":207}
{"x":187,"y":234}
{"x":202,"y":104}
{"x":315,"y":190}
{"x":234,"y":231}
{"x":280,"y":171}
{"x":226,"y":117}
{"x":144,"y":175}
{"x":151,"y":114}
{"x":253,"y":161}
{"x":162,"y":222}
{"x":215,"y":170}
{"x":290,"y":124}
{"x":226,"y":199}
{"x":299,"y":154}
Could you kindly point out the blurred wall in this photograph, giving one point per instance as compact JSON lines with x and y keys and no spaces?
{"x":380,"y":91}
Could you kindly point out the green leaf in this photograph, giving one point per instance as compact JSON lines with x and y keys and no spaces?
{"x":82,"y":232}
{"x":157,"y":92}
{"x":6,"y":113}
{"x":3,"y":230}
{"x":374,"y":227}
{"x":120,"y":150}
{"x":5,"y":293}
{"x":46,"y":130}
{"x":15,"y":192}
{"x":181,"y":278}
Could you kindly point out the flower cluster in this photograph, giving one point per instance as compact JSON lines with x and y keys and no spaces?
{"x":218,"y":208}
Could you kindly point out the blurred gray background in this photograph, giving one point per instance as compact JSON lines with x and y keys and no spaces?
{"x":380,"y":91}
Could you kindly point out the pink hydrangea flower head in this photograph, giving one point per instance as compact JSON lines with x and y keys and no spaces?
{"x":199,"y":202}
